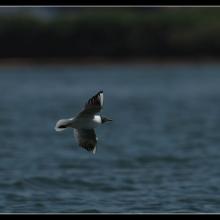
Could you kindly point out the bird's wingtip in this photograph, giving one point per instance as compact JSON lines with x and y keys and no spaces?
{"x":94,"y":150}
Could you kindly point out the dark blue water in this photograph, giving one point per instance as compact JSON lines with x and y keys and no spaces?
{"x":160,"y":154}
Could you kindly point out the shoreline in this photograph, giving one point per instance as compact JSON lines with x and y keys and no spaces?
{"x":103,"y":62}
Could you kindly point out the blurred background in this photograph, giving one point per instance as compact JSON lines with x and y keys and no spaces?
{"x":160,"y":73}
{"x":76,"y":33}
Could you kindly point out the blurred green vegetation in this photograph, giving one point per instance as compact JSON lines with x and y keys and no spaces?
{"x":113,"y":33}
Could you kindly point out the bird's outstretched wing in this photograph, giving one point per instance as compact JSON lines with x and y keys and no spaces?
{"x":94,"y":105}
{"x":86,"y":138}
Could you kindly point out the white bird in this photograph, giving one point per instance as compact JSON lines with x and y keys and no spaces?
{"x":85,"y":122}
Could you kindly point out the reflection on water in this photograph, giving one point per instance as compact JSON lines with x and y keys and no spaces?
{"x":160,"y":153}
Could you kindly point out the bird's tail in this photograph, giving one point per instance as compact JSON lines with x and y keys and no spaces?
{"x":62,"y":124}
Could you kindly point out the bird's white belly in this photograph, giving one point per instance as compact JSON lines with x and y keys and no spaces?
{"x":86,"y":123}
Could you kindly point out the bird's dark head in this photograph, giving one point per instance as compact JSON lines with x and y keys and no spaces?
{"x":105,"y":119}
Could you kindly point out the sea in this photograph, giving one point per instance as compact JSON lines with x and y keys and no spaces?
{"x":160,"y":154}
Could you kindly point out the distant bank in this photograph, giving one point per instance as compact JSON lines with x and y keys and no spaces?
{"x":150,"y":34}
{"x":100,"y":61}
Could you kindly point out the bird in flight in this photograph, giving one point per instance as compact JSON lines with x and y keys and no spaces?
{"x":85,"y":122}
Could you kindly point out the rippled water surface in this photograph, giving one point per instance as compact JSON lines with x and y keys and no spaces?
{"x":161,"y":153}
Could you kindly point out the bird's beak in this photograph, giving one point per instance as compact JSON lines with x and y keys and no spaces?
{"x":108,"y":119}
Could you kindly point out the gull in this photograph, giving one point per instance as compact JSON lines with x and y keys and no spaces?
{"x":85,"y":122}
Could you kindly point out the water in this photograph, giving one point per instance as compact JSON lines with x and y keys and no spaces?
{"x":160,"y":154}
